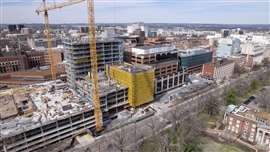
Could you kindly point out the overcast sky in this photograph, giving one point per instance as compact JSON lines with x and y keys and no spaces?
{"x":149,"y":11}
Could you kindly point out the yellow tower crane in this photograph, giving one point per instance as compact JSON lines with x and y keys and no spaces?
{"x":92,"y":47}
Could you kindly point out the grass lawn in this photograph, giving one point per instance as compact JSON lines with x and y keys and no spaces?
{"x":209,"y":145}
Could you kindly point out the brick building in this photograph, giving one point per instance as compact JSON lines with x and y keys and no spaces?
{"x":219,"y":70}
{"x":250,"y":125}
{"x":33,"y":59}
{"x":242,"y":123}
{"x":13,"y":63}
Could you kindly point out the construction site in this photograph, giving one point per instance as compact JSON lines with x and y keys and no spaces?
{"x":39,"y":115}
{"x":99,"y":86}
{"x":77,"y":55}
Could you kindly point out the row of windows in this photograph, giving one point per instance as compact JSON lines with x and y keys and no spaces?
{"x":9,"y":63}
{"x":8,"y":69}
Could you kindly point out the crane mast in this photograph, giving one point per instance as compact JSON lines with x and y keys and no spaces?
{"x":94,"y":64}
{"x":92,"y":48}
{"x":49,"y":39}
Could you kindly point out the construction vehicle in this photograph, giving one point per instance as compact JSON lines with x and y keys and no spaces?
{"x":92,"y":47}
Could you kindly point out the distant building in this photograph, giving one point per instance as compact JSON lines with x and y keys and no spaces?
{"x":83,"y":29}
{"x":134,"y":28}
{"x":31,"y":59}
{"x":228,"y":47}
{"x":15,"y":27}
{"x":163,"y":58}
{"x":26,"y":31}
{"x":13,"y":63}
{"x":225,"y":32}
{"x":28,"y":77}
{"x":254,"y":53}
{"x":22,"y":62}
{"x":152,"y":34}
{"x":220,"y":70}
{"x":41,"y":44}
{"x":192,"y":60}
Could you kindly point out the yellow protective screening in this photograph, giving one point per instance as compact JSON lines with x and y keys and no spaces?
{"x":140,"y":85}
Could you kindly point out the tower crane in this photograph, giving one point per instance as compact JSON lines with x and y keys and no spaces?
{"x":92,"y":48}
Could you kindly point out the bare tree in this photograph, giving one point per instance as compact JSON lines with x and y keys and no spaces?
{"x":212,"y":105}
{"x":238,"y":70}
{"x":263,"y":100}
{"x":187,"y":131}
{"x":157,"y":137}
{"x":119,"y":140}
{"x":175,"y":117}
{"x":154,"y":126}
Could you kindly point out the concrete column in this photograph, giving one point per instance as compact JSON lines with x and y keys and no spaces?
{"x":183,"y":77}
{"x":262,"y":139}
{"x":173,"y":80}
{"x":117,"y":100}
{"x":168,"y":79}
{"x":162,"y":79}
{"x":258,"y":136}
{"x":156,"y":82}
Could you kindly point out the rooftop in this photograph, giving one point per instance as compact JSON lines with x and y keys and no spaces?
{"x":85,"y":40}
{"x":136,"y":68}
{"x":49,"y":101}
{"x":193,"y":51}
{"x":142,"y":50}
{"x":105,"y":86}
{"x":265,"y":116}
{"x":245,"y":112}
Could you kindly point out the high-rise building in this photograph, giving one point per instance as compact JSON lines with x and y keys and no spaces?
{"x":77,"y":56}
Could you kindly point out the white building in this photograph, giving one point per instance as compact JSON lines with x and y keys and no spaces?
{"x":263,"y":130}
{"x":254,"y":53}
{"x":134,"y":27}
{"x":228,"y":47}
{"x":224,"y":71}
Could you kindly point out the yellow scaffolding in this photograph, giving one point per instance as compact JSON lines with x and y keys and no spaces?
{"x":140,"y":83}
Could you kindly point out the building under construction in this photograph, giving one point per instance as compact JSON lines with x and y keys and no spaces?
{"x":138,"y":78}
{"x":77,"y":56}
{"x":113,"y":96}
{"x":43,"y":114}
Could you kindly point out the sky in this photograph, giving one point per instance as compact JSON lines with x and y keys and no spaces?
{"x":148,"y":11}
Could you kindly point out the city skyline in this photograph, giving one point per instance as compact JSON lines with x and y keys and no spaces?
{"x":149,"y":11}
